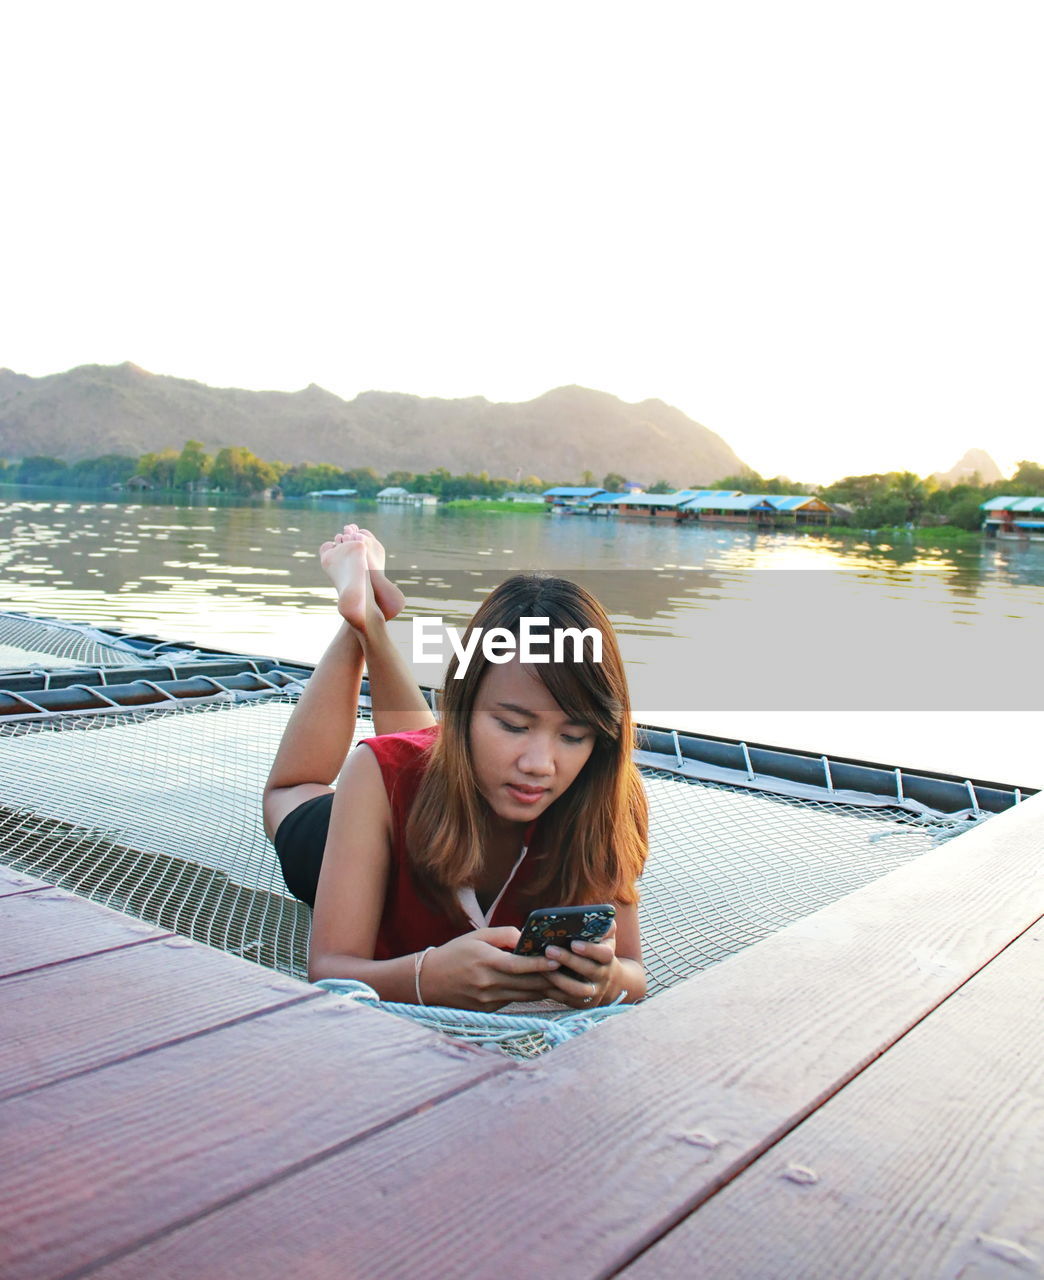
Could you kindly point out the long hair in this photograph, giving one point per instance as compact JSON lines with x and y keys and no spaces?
{"x":595,"y":835}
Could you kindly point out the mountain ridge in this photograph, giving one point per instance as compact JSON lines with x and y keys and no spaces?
{"x":93,"y":409}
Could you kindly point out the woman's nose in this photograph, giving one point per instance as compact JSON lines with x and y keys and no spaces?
{"x":537,"y":756}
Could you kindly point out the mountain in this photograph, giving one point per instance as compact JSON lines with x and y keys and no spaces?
{"x":98,"y":409}
{"x":964,"y":471}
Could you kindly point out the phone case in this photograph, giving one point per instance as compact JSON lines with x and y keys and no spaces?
{"x":559,"y":926}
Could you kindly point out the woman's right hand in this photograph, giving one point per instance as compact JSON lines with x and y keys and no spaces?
{"x":479,"y":971}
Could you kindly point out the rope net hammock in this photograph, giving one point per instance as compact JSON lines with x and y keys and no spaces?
{"x":156,"y":811}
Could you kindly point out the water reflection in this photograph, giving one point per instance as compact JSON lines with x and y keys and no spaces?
{"x":707,"y":617}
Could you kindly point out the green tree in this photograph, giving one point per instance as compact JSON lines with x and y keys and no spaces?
{"x":306,"y":477}
{"x":159,"y":468}
{"x":365,"y":479}
{"x":103,"y":472}
{"x":911,"y":491}
{"x":614,"y":482}
{"x":888,"y":509}
{"x":745,"y":481}
{"x":430,"y":482}
{"x":662,"y":486}
{"x":1029,"y":478}
{"x":40,"y":468}
{"x":192,"y":465}
{"x":857,"y":491}
{"x":966,"y":512}
{"x":237,"y":470}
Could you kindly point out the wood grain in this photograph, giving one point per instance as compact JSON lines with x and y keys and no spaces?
{"x":79,"y":1015}
{"x":931,"y":1163}
{"x":18,"y":882}
{"x":50,"y":926}
{"x":595,"y":1152}
{"x":96,"y":1164}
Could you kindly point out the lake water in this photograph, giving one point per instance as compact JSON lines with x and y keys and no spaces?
{"x":871,"y":650}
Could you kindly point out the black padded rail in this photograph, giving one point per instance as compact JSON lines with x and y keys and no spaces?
{"x":197,"y":674}
{"x":944,"y":792}
{"x":94,"y":695}
{"x":107,"y":678}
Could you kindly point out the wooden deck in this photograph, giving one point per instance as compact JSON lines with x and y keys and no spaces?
{"x":860,"y":1095}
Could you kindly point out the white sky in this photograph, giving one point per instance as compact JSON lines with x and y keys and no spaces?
{"x":814,"y":227}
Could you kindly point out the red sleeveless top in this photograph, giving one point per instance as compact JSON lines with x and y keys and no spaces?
{"x":408,"y":922}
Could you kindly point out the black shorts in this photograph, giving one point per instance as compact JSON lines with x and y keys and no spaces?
{"x":299,"y":844}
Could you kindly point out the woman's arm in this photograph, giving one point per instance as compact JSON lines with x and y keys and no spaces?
{"x":474,"y":971}
{"x":353,"y":881}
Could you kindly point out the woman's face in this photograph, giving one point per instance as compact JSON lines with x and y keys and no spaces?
{"x":525,"y":751}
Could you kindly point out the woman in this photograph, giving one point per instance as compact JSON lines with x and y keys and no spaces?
{"x":439,"y":840}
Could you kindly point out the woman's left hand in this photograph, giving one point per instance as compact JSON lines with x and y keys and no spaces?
{"x":592,"y":963}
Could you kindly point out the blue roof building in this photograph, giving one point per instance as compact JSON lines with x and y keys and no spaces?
{"x":1016,"y":517}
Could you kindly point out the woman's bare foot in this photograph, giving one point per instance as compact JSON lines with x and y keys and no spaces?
{"x":344,"y":563}
{"x":354,"y":563}
{"x":390,"y":599}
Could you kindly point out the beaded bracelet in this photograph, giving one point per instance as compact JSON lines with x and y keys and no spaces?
{"x":418,"y":964}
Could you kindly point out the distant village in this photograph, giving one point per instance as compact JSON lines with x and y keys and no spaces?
{"x":948,"y":504}
{"x":1003,"y":517}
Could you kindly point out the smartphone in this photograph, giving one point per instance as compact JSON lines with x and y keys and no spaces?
{"x":559,"y":926}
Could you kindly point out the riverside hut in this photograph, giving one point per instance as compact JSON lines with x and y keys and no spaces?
{"x":645,"y":506}
{"x":799,"y":509}
{"x":748,"y":509}
{"x":563,"y":497}
{"x":1014,"y":518}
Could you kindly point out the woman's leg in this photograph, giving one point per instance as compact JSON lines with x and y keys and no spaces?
{"x":319,"y":733}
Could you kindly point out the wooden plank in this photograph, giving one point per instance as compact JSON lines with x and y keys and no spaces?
{"x":51,"y":926}
{"x":594,"y":1153}
{"x":18,"y":882}
{"x":930,"y":1164}
{"x":76,"y":1016}
{"x":95,"y":1165}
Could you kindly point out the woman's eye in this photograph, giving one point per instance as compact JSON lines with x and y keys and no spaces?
{"x":576,"y":741}
{"x":511,"y":728}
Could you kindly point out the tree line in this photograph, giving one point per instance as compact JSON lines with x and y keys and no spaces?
{"x":239,"y":471}
{"x":876,"y":501}
{"x":893,"y":498}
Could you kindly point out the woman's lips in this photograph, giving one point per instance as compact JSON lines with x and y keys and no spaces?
{"x":526,"y":795}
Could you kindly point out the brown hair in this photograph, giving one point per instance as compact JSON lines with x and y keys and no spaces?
{"x":595,"y":835}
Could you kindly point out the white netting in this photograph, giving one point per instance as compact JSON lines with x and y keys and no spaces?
{"x":158,"y":813}
{"x":38,"y":642}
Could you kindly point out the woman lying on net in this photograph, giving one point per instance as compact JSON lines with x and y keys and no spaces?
{"x":440,"y":838}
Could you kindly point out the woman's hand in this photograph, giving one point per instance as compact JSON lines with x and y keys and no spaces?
{"x":479,"y":971}
{"x":592,"y":963}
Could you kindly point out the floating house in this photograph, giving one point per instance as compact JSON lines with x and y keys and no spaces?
{"x":1014,"y":518}
{"x":564,"y":497}
{"x":396,"y":494}
{"x":728,"y":508}
{"x":644,"y":506}
{"x":757,"y":510}
{"x":332,"y":493}
{"x":800,"y":509}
